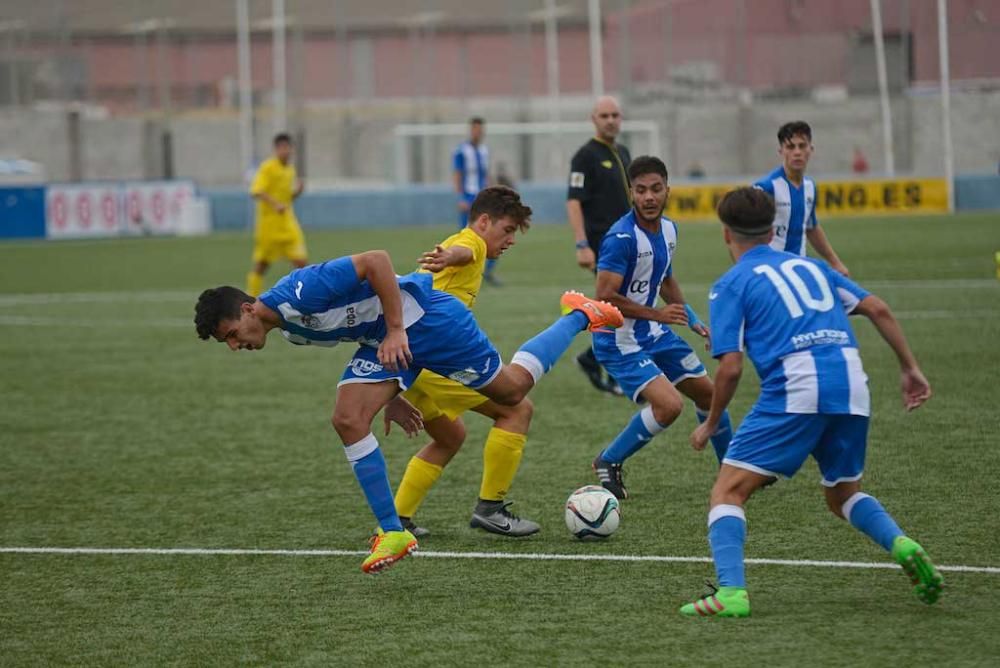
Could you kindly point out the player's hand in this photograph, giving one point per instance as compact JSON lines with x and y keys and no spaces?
{"x":700,"y":436}
{"x":403,"y":413}
{"x":299,"y":187}
{"x":916,"y":389}
{"x":279,"y":207}
{"x":435,"y":260}
{"x":394,"y":352}
{"x":840,"y":268}
{"x":585,"y":258}
{"x":674,"y":314}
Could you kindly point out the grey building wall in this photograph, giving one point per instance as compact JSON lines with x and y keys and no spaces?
{"x":353,"y":143}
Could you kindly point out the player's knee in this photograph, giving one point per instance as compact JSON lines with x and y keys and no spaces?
{"x":349,"y":424}
{"x":666,"y":410}
{"x":517,"y":417}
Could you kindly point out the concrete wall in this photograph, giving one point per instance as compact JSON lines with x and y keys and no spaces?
{"x":351,"y":144}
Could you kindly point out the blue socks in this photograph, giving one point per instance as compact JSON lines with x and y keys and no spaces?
{"x":637,"y":433}
{"x":727,"y":533}
{"x":868,"y":516}
{"x":720,"y":439}
{"x":540,"y":353}
{"x":369,"y":468}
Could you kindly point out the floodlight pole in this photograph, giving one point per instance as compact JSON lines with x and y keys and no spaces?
{"x":278,"y":54}
{"x":246,"y":101}
{"x":883,"y":88}
{"x":596,"y":54}
{"x":949,"y":156}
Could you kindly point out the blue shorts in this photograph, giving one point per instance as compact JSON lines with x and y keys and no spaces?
{"x":447,"y":340}
{"x":669,"y":355}
{"x":777,"y":444}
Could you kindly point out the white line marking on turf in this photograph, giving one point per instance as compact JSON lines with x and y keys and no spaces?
{"x":429,"y":554}
{"x":187,"y":294}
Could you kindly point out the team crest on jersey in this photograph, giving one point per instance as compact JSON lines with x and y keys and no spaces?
{"x":309,"y":321}
{"x":362,"y":367}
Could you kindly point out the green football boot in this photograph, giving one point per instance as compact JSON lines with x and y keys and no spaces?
{"x":723,"y":602}
{"x":927,"y":581}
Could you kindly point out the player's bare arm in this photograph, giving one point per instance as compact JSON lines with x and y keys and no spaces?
{"x":915,"y":388}
{"x":727,"y":379}
{"x":584,"y":254}
{"x":817,"y":239}
{"x":300,"y":185}
{"x":441,"y":258}
{"x":608,"y":284}
{"x":376,"y":268}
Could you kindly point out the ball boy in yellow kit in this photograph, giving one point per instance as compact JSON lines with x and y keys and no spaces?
{"x":277,"y":233}
{"x":458,"y":263}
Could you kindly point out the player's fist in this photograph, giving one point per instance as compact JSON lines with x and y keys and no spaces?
{"x":585,"y":258}
{"x":700,"y":436}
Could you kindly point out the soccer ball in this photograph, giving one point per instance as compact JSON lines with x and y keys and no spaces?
{"x":592,"y":512}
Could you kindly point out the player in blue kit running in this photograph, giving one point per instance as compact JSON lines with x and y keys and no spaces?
{"x":644,"y":356}
{"x":403,"y":326}
{"x":789,"y":314}
{"x":795,"y":197}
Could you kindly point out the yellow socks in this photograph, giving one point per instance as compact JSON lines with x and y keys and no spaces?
{"x":420,"y":476}
{"x":254,"y":283}
{"x":501,"y":458}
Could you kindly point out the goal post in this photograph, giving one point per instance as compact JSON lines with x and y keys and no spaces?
{"x":533,"y":151}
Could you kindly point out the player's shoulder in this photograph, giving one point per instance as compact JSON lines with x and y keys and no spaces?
{"x":623,"y":228}
{"x":766,"y":182}
{"x":465,"y":237}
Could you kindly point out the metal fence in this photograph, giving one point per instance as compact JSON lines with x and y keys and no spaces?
{"x":167,"y":77}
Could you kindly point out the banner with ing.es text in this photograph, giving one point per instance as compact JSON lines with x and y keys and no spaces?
{"x":834,"y":198}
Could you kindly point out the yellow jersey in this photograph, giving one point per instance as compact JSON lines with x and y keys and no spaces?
{"x":277,"y":181}
{"x":463,"y":282}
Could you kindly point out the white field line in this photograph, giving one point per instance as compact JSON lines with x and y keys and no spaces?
{"x":188,"y":294}
{"x":525,"y":556}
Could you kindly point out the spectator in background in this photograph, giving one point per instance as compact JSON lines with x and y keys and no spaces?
{"x":859,"y":164}
{"x":471,"y":165}
{"x":503,"y":176}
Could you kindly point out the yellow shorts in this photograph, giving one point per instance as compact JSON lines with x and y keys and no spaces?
{"x":436,"y":395}
{"x":269,"y":248}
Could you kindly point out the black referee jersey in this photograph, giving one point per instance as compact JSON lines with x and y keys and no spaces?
{"x":599,"y":180}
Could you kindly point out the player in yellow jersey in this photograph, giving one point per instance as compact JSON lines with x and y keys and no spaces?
{"x":495,"y":216}
{"x":277,"y":233}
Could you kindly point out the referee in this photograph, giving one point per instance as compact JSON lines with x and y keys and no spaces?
{"x":598,"y":196}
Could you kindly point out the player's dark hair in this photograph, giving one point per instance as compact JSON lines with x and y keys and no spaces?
{"x":499,"y":202}
{"x":282,"y":138}
{"x":476,"y":120}
{"x":215,"y":305}
{"x":747,"y":212}
{"x":646,"y":164}
{"x":789,"y":130}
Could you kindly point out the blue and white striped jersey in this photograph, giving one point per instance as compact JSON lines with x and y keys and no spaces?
{"x":790,"y":315}
{"x":643,"y":259}
{"x":473,"y":163}
{"x":326,"y":304}
{"x":795,"y":210}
